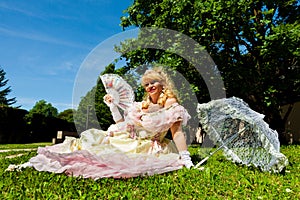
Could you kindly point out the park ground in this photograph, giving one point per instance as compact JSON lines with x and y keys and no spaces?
{"x":220,"y":179}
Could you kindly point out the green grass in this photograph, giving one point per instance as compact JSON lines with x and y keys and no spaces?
{"x":23,"y":146}
{"x":220,"y":179}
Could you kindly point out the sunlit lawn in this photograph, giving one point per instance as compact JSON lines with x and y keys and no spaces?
{"x":220,"y":179}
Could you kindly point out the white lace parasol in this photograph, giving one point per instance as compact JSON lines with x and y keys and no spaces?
{"x":242,"y":134}
{"x":119,"y":89}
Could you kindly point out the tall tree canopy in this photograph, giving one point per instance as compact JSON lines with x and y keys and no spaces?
{"x":67,"y":115}
{"x":92,"y":111}
{"x":42,"y":108}
{"x":43,"y":122}
{"x":4,"y":92}
{"x":255,"y":44}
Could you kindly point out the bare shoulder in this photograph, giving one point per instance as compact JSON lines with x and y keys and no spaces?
{"x":170,"y":101}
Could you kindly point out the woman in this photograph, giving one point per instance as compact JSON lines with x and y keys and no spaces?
{"x":134,"y":146}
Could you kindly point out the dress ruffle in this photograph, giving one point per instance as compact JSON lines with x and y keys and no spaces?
{"x":83,"y":163}
{"x":135,"y":147}
{"x":159,"y":121}
{"x":162,"y":120}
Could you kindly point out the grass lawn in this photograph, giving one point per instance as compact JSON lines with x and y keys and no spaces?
{"x":220,"y":179}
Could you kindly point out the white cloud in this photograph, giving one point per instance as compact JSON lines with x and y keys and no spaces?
{"x":28,"y":103}
{"x":14,"y":8}
{"x":40,"y":37}
{"x":63,"y":106}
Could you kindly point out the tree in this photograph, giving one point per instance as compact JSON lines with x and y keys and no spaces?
{"x":255,"y":44}
{"x":67,"y":115}
{"x":42,"y":122}
{"x":4,"y":92}
{"x":92,"y":112}
{"x":41,"y":108}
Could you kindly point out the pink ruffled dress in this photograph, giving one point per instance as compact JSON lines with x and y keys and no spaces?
{"x":135,"y":147}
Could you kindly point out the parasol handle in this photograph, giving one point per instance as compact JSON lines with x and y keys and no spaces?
{"x":201,"y":162}
{"x":220,"y":147}
{"x":207,"y":157}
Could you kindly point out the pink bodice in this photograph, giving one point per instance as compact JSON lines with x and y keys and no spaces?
{"x":157,"y":120}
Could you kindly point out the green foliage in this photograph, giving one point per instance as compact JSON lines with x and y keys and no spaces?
{"x":13,"y":128}
{"x":4,"y":101}
{"x":43,"y":108}
{"x":92,"y":112}
{"x":43,"y":122}
{"x":255,"y":45}
{"x":67,"y":115}
{"x":220,"y":179}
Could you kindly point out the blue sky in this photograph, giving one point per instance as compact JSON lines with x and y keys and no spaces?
{"x":44,"y":42}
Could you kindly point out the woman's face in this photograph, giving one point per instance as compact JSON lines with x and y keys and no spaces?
{"x":153,"y":87}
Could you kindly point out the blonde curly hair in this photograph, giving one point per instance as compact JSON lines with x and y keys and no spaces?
{"x":158,"y":74}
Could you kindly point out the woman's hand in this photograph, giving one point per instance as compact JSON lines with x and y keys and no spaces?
{"x":108,"y":100}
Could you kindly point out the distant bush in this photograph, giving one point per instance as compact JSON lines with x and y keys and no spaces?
{"x":43,"y":129}
{"x":15,"y":129}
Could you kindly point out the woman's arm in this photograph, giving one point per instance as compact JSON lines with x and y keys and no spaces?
{"x":108,"y":100}
{"x":180,"y":142}
{"x":178,"y":136}
{"x":176,"y":129}
{"x":179,"y":139}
